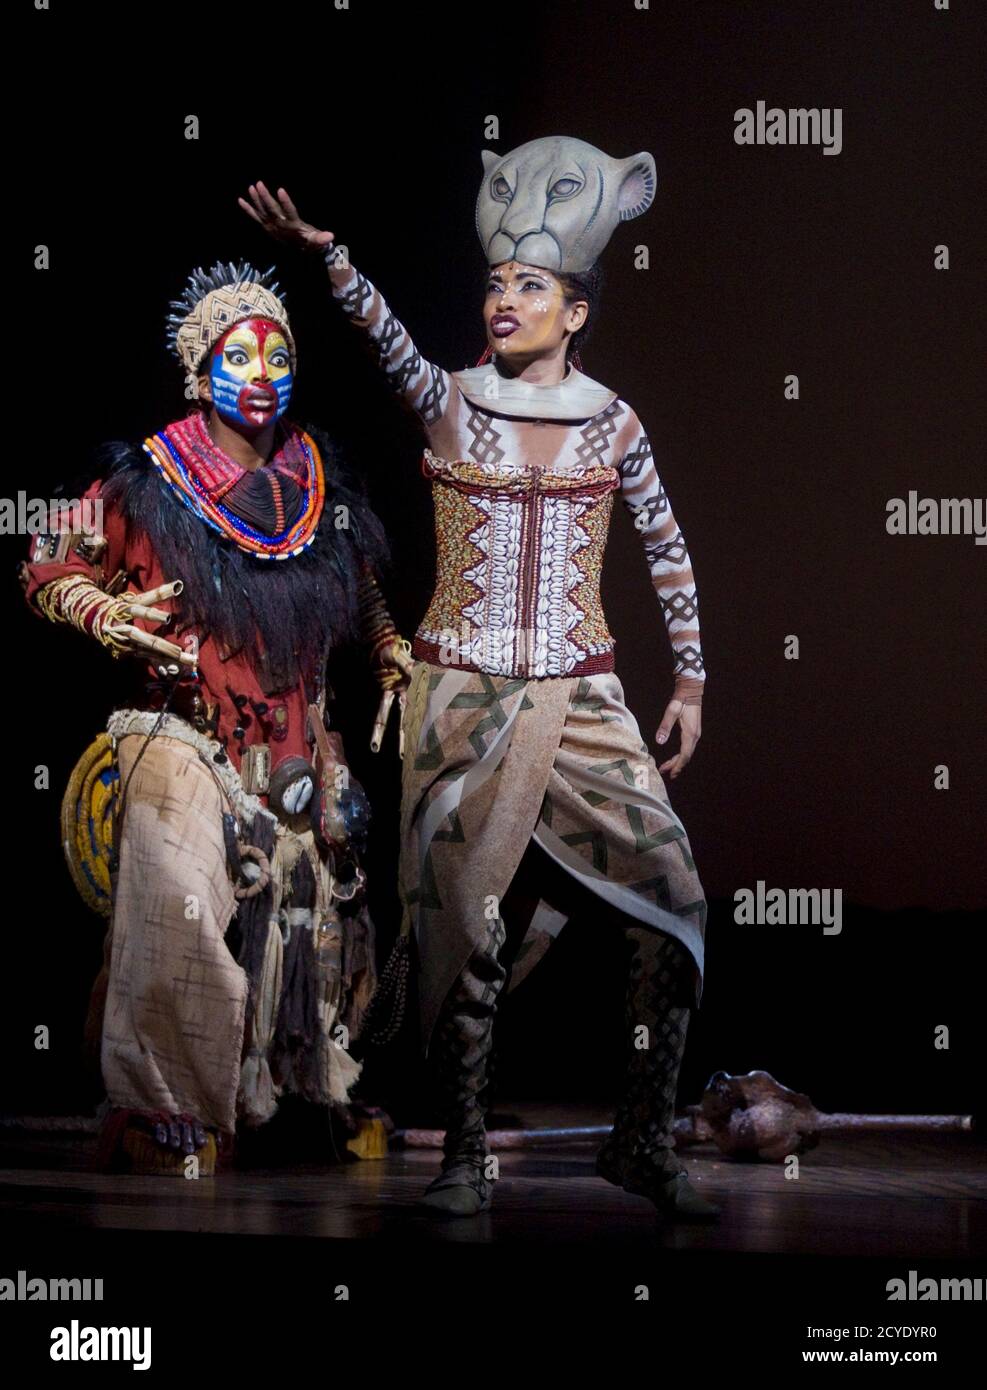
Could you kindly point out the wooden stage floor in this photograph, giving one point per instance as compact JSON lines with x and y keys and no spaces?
{"x":560,"y":1266}
{"x":869,"y":1195}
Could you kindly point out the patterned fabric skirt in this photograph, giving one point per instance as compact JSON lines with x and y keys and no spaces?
{"x":492,"y":762}
{"x":188,"y":1025}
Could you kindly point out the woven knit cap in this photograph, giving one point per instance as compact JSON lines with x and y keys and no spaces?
{"x":213,"y":302}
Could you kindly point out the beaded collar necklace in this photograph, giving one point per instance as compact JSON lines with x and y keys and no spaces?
{"x":200,"y":474}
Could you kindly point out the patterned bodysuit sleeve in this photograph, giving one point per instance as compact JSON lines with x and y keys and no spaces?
{"x":643,"y":495}
{"x":422,"y":384}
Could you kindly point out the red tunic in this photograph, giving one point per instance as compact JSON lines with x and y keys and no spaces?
{"x":284,"y":724}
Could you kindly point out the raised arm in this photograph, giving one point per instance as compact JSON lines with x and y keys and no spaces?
{"x":668,"y":560}
{"x":422,"y":384}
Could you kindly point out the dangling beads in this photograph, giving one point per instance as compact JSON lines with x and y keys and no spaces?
{"x":385,"y":1013}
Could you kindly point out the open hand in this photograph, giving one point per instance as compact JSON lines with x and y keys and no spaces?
{"x":279,"y":218}
{"x":689,"y":720}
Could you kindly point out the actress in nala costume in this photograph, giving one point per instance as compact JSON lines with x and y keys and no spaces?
{"x":520,"y":752}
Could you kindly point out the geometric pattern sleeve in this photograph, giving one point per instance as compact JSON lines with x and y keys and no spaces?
{"x":422,"y":384}
{"x":643,"y":495}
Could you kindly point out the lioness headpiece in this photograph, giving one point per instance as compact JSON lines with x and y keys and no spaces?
{"x":555,"y":202}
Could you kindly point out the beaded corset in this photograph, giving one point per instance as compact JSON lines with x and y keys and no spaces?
{"x":518,"y":558}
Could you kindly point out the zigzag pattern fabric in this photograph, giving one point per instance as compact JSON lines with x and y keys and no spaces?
{"x":492,"y":762}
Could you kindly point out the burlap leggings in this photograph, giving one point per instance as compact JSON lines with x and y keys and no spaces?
{"x":176,"y":1001}
{"x":656,"y":1021}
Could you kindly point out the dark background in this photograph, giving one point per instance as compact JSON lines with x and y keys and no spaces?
{"x":764,"y":262}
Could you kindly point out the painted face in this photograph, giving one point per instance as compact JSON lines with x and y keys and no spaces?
{"x":250,"y":373}
{"x":524,"y":310}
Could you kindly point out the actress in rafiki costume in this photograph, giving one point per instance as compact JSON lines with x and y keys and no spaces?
{"x":522,"y":761}
{"x":219,"y":993}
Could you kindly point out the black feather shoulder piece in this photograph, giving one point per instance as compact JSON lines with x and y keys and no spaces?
{"x":286,"y":616}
